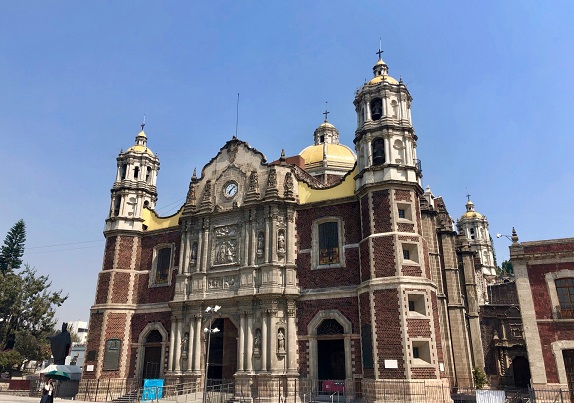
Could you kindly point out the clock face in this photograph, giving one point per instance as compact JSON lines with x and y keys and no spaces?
{"x":230,"y":189}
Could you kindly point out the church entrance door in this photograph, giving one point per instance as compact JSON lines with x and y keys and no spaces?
{"x":223,"y":350}
{"x":521,"y":372}
{"x":152,"y":355}
{"x":331,"y":359}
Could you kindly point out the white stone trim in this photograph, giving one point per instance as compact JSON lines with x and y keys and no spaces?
{"x":557,"y":348}
{"x":529,"y":324}
{"x":153,"y":270}
{"x":315,"y":243}
{"x":551,"y":284}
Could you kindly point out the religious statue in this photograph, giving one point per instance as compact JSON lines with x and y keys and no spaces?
{"x":272,"y":180}
{"x":281,"y":242}
{"x":184,"y":345}
{"x":61,"y":344}
{"x":193,"y":254}
{"x":257,"y":342}
{"x":260,"y":244}
{"x":281,"y":341}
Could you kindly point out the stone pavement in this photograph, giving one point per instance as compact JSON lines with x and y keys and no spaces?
{"x":6,"y":398}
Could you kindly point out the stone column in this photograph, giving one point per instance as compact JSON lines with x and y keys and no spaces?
{"x":197,"y":348}
{"x":171,"y":345}
{"x":249,"y":344}
{"x":241,"y":349}
{"x":368,"y":109}
{"x":268,"y":239}
{"x":204,"y":250}
{"x":291,"y":338}
{"x":177,"y":345}
{"x":183,"y":262}
{"x":264,"y":341}
{"x":387,"y":142}
{"x":190,"y":352}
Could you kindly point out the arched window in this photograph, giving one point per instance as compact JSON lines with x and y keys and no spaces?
{"x":395,"y":107}
{"x":148,"y":175}
{"x":565,"y":290}
{"x":378,"y":151}
{"x":330,"y":326}
{"x":123,"y":171}
{"x":376,"y":109}
{"x":136,"y":172}
{"x":117,"y":204}
{"x":162,"y":266}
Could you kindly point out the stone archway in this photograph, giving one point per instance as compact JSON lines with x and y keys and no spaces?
{"x":334,"y":345}
{"x":152,"y":343}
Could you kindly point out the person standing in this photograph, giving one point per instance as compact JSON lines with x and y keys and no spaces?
{"x":48,"y":392}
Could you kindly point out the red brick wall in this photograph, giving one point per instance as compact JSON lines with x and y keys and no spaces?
{"x":403,"y":195}
{"x":121,"y":288}
{"x":418,"y":328}
{"x":306,"y":310}
{"x":151,"y":241}
{"x":303,"y":358}
{"x":549,"y":248}
{"x":439,"y":352}
{"x":405,"y":227}
{"x":412,"y":271}
{"x":93,"y":344}
{"x":103,"y":287}
{"x":115,"y":327}
{"x":365,"y":215}
{"x":423,"y":373}
{"x":147,"y":294}
{"x":550,"y":332}
{"x":536,"y":275}
{"x":382,"y":211}
{"x":109,"y":253}
{"x":365,"y":307}
{"x":384,"y":256}
{"x":365,"y":248}
{"x":124,"y":259}
{"x":389,"y":339}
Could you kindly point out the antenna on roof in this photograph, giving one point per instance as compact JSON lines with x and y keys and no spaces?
{"x":237,"y":115}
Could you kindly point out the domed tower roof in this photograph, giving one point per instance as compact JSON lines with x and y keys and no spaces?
{"x":327,"y":156}
{"x":470,"y":212}
{"x":381,"y":72}
{"x":141,"y":143}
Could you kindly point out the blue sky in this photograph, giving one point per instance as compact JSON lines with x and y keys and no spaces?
{"x":492,"y":85}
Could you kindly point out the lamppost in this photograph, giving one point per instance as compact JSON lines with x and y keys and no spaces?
{"x":208,"y":331}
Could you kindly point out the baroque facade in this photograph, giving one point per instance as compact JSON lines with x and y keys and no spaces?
{"x":332,"y":265}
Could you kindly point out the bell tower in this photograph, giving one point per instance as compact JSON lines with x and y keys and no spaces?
{"x":398,"y":294}
{"x":134,"y":187}
{"x":385,"y":141}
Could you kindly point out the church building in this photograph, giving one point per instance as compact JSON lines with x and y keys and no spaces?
{"x":331,"y":268}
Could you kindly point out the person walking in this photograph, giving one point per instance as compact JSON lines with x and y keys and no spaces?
{"x":48,"y":392}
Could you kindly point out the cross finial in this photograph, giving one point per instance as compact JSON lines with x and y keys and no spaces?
{"x":143,"y":123}
{"x":326,"y":113}
{"x":380,"y":52}
{"x":468,"y":197}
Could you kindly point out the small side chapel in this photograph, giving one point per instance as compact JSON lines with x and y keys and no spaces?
{"x":333,"y":265}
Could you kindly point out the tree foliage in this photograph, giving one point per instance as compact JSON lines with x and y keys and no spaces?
{"x":27,"y":305}
{"x":507,"y":267}
{"x":13,"y":249}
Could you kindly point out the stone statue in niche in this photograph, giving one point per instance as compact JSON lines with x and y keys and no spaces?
{"x":281,"y":242}
{"x":272,"y":180}
{"x":253,"y":182}
{"x":207,"y":191}
{"x":260,"y":244}
{"x":184,"y":345}
{"x":288,"y":182}
{"x":193,"y":258}
{"x":257,"y":342}
{"x":281,"y":341}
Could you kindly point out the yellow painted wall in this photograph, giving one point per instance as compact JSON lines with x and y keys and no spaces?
{"x":154,"y":222}
{"x":345,"y":189}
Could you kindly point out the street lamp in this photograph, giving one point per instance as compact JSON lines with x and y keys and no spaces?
{"x":208,"y":331}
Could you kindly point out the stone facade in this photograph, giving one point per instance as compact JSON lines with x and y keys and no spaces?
{"x":327,"y":267}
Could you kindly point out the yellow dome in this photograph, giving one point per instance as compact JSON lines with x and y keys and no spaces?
{"x":140,"y":149}
{"x":380,"y":79}
{"x":472,"y":214}
{"x":337,"y":155}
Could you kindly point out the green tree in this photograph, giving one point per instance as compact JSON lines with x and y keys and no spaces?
{"x":27,"y":305}
{"x":13,"y":249}
{"x":507,"y":267}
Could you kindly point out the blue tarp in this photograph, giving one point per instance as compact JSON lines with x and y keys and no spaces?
{"x":152,"y":389}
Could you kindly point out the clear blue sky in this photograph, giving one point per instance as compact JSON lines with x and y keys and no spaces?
{"x":492,"y":84}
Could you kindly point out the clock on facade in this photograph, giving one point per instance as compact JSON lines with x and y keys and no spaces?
{"x":230,"y":189}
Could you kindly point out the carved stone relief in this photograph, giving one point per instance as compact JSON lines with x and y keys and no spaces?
{"x":260,"y":244}
{"x":226,"y":242}
{"x":281,"y":242}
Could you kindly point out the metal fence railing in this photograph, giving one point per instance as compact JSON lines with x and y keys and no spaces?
{"x":299,"y":390}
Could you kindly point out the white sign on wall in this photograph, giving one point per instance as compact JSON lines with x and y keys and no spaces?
{"x":391,"y":364}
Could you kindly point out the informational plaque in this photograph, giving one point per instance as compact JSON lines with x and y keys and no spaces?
{"x":112,"y":354}
{"x":391,"y":364}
